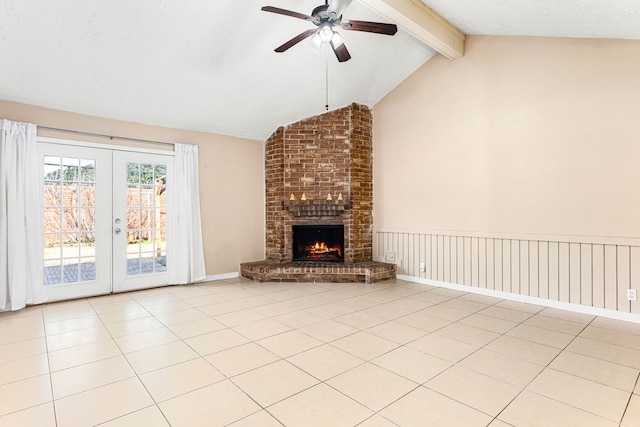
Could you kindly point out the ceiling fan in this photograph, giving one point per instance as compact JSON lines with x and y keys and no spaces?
{"x":327,"y":17}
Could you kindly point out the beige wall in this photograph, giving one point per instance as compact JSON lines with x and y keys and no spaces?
{"x":524,"y":139}
{"x":231,"y":178}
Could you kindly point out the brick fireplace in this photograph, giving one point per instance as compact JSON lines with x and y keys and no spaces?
{"x":319,"y":173}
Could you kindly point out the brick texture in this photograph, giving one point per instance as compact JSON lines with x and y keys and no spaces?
{"x":326,"y":154}
{"x":273,"y":271}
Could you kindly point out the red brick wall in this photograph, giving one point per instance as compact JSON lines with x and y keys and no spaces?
{"x":326,"y":154}
{"x":274,"y":181}
{"x":361,"y":160}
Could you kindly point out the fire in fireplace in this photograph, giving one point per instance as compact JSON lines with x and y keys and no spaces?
{"x":322,"y":243}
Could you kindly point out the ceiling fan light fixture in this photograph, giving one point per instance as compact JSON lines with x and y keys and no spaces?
{"x":316,"y":41}
{"x":326,"y":33}
{"x":336,"y":39}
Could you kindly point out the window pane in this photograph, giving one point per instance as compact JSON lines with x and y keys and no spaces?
{"x":87,"y":249}
{"x":147,"y":195}
{"x":147,"y":218}
{"x":87,"y":170}
{"x":133,"y":173}
{"x":87,"y":219}
{"x":52,"y":194}
{"x":52,"y":220}
{"x":146,"y":174}
{"x":88,"y":195}
{"x":133,"y":218}
{"x":52,"y":168}
{"x":133,"y":195}
{"x":161,"y":171}
{"x":133,"y":264}
{"x":161,"y":261}
{"x":69,"y":195}
{"x":52,"y":274}
{"x":161,"y":219}
{"x":70,"y":272}
{"x":70,"y":250}
{"x":147,"y":262}
{"x":70,"y":222}
{"x":88,"y":269}
{"x":70,"y":168}
{"x":52,"y":251}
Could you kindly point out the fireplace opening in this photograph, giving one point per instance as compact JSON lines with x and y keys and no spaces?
{"x":322,"y":243}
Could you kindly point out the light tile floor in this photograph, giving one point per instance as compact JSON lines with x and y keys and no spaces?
{"x":235,"y":352}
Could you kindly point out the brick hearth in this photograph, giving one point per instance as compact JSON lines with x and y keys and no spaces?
{"x":326,"y":156}
{"x":357,"y":272}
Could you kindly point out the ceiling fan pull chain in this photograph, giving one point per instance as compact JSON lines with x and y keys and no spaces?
{"x":326,"y":69}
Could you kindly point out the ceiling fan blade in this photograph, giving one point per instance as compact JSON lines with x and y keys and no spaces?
{"x":370,"y":27}
{"x":341,"y":52}
{"x":338,"y":7}
{"x":287,"y":13}
{"x":294,"y":41}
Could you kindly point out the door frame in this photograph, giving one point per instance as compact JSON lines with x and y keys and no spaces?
{"x":90,"y":290}
{"x":113,"y":147}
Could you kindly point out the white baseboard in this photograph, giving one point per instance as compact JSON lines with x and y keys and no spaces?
{"x":222,"y":276}
{"x":595,"y":311}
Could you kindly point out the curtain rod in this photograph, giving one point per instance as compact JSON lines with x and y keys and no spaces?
{"x":124,"y":138}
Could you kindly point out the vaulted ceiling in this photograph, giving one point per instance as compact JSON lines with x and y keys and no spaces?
{"x":210,"y":66}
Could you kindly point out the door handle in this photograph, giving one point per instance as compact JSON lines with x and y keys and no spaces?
{"x":117,"y":230}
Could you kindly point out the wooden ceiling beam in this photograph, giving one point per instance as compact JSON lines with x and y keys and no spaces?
{"x":423,"y":23}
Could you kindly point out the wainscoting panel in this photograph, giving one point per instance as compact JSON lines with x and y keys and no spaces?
{"x":587,"y":271}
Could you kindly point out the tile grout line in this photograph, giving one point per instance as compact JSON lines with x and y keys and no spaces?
{"x":308,"y":297}
{"x":137,"y":376}
{"x":547,"y":366}
{"x":626,"y":407}
{"x":46,"y":344}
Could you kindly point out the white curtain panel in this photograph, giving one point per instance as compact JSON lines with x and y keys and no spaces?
{"x":21,"y":241}
{"x":185,"y":254}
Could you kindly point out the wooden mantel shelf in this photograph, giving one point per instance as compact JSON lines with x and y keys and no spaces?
{"x":311,"y":208}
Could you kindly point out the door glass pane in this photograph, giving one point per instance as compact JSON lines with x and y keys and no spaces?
{"x":52,"y":168}
{"x":87,"y":170}
{"x":52,"y":220}
{"x":69,"y":219}
{"x":88,"y":268}
{"x":133,"y":173}
{"x":70,"y":169}
{"x":146,"y":218}
{"x":146,"y":173}
{"x":70,"y":272}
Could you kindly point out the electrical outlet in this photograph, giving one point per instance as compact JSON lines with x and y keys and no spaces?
{"x":632,"y":295}
{"x":423,"y":267}
{"x":390,"y":257}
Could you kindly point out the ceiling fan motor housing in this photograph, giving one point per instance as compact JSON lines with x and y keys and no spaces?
{"x":321,"y":16}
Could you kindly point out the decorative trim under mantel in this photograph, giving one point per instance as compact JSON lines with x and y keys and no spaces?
{"x":311,"y":208}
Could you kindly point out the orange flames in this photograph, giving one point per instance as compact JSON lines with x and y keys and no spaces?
{"x":320,"y":248}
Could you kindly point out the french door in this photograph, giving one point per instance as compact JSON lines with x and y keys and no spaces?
{"x":105,"y":220}
{"x":139,"y":220}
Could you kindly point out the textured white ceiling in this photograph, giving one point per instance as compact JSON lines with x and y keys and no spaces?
{"x":205,"y":65}
{"x":209,"y":65}
{"x":543,"y":18}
